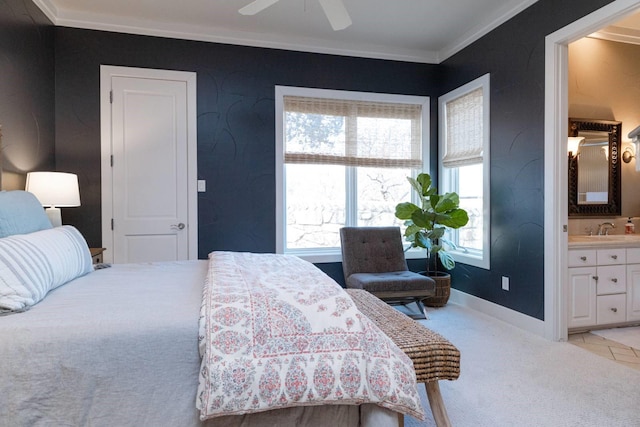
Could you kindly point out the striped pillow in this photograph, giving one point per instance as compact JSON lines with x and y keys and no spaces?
{"x":33,"y":264}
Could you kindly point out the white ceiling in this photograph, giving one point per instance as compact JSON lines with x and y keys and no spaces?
{"x":426,"y":31}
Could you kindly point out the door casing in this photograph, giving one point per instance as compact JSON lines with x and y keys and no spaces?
{"x":106,"y":75}
{"x":555,"y":159}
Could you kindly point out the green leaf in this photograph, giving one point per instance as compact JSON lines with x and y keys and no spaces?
{"x":424,"y":181}
{"x":447,"y":202}
{"x":436,"y":233}
{"x":441,"y":218}
{"x":449,"y":243}
{"x":405,"y":210}
{"x":456,"y":219}
{"x":446,"y":259}
{"x":411,"y":228}
{"x":422,"y":219}
{"x":422,"y":241}
{"x":415,"y":185}
{"x":433,"y":200}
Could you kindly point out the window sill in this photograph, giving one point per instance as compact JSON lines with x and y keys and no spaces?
{"x":327,"y":256}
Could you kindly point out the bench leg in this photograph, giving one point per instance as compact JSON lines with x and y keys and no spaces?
{"x":437,"y":404}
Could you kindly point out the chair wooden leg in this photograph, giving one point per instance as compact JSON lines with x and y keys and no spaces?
{"x":437,"y":404}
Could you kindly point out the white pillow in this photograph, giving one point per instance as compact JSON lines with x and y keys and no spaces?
{"x":33,"y":264}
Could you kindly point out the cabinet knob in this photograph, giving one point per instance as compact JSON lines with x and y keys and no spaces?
{"x":614,"y":280}
{"x":583,"y":258}
{"x":615,"y":310}
{"x":614,"y":256}
{"x":595,"y":278}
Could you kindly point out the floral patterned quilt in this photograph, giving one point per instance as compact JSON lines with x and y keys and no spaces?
{"x":276,"y":332}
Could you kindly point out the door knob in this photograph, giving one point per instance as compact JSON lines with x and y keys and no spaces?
{"x":179,"y":226}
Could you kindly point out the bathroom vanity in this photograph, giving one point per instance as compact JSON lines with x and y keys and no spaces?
{"x":604,"y":281}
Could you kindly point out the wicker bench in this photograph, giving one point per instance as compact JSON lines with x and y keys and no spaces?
{"x":434,"y":357}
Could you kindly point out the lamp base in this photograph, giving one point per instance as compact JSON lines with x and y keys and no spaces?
{"x":55,"y":216}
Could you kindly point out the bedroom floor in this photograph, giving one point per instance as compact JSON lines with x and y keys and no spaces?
{"x":612,"y":350}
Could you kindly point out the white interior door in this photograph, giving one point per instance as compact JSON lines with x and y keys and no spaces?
{"x":150,"y":216}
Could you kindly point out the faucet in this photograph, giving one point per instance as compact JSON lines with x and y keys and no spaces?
{"x":603,"y":229}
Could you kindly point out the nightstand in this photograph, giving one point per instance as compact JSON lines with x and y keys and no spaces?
{"x":96,"y":255}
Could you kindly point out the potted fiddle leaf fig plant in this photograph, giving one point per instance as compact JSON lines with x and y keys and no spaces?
{"x":426,"y":226}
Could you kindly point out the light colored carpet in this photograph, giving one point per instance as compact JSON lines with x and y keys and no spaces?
{"x":510,"y":377}
{"x":627,"y":336}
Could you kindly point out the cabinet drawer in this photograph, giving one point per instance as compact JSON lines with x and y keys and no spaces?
{"x":582,"y":258}
{"x":611,"y":279}
{"x":612,"y":256}
{"x":611,"y":309}
{"x":633,"y":255}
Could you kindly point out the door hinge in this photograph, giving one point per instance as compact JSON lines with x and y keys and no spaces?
{"x":111,"y":97}
{"x":564,"y":227}
{"x":111,"y":160}
{"x":111,"y":223}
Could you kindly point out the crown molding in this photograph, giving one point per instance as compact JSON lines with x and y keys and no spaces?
{"x":618,"y":34}
{"x":102,"y":22}
{"x":500,"y":16}
{"x":48,"y":9}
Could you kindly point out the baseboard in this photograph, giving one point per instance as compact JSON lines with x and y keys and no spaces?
{"x":519,"y":320}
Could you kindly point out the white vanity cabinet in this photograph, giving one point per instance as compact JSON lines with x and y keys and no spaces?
{"x":598,"y":287}
{"x":582,"y":288}
{"x":633,"y":284}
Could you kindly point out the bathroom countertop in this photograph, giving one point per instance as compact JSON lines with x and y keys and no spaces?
{"x":609,"y":241}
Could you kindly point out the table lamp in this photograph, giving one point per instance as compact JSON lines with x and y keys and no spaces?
{"x":54,"y":190}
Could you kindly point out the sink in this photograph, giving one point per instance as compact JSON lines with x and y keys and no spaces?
{"x":607,"y":239}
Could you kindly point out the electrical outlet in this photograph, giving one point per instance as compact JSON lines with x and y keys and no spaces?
{"x":505,"y":283}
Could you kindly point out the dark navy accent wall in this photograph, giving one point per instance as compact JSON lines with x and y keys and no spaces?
{"x":236,"y":121}
{"x":514,"y":55}
{"x":236,"y":132}
{"x":26,"y":91}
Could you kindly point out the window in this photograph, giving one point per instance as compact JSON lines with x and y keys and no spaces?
{"x":342,"y":159}
{"x":464,"y":142}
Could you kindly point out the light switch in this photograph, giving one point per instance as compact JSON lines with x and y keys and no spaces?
{"x":202,"y":186}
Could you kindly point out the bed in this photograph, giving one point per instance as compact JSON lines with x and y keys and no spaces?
{"x":126,"y":345}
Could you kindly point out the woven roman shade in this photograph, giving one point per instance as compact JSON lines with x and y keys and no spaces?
{"x":375,"y":134}
{"x":464,"y":130}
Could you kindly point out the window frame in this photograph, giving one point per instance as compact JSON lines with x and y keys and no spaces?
{"x":448,"y":176}
{"x":321,"y":255}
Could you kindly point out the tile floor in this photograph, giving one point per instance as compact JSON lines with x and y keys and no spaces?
{"x":621,"y":353}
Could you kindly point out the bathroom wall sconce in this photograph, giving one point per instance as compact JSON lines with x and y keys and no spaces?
{"x":573,"y":146}
{"x":635,"y":139}
{"x":627,"y":155}
{"x":573,"y":150}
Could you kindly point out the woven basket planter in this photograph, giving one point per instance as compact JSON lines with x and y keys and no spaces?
{"x":443,"y":290}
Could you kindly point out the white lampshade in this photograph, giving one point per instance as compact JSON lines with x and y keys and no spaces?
{"x":573,"y":144}
{"x":54,"y":190}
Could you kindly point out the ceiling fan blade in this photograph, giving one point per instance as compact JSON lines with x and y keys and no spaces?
{"x":336,"y":14}
{"x":256,"y":6}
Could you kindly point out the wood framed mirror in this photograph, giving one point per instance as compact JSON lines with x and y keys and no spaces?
{"x":594,"y":168}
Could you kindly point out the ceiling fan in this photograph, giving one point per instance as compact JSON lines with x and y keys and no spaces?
{"x":334,"y":9}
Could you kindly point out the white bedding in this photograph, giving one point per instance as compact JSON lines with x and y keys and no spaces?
{"x":119,"y":347}
{"x":277,"y":332}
